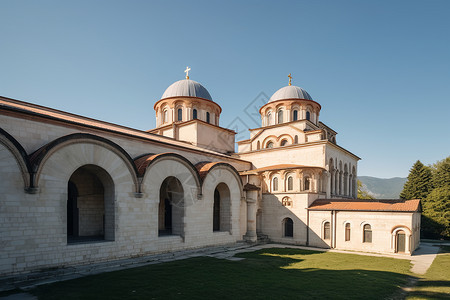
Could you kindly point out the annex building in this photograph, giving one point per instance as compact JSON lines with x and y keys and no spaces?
{"x":75,"y":190}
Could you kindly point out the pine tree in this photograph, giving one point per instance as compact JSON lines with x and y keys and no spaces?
{"x":441,"y":173}
{"x":418,"y":184}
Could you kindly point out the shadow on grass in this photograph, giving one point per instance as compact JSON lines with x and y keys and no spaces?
{"x":265,"y":274}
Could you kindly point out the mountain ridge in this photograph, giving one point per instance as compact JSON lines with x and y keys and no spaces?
{"x":383,"y":188}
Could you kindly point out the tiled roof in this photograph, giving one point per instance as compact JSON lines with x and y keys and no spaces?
{"x":367,"y":205}
{"x":204,"y":167}
{"x":143,"y":162}
{"x":33,"y":109}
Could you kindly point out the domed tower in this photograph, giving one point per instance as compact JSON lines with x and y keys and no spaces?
{"x":187,"y":112}
{"x":288,"y":104}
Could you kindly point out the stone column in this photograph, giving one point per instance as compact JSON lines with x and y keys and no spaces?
{"x":329,"y":184}
{"x":250,"y":235}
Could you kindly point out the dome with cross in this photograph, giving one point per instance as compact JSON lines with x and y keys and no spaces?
{"x":186,"y":88}
{"x":290,"y":92}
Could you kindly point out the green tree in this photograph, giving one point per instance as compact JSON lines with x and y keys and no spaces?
{"x":436,"y":213}
{"x":362,"y":193}
{"x":441,"y":173}
{"x":418,"y":184}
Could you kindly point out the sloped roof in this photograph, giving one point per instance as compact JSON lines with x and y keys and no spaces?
{"x":397,"y":205}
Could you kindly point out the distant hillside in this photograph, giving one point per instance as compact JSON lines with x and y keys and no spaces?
{"x":383,"y":188}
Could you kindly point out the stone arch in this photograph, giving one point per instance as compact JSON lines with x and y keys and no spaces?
{"x":226,"y":180}
{"x":155,"y":168}
{"x":79,"y":149}
{"x":171,"y":207}
{"x":270,"y":138}
{"x":222,"y":208}
{"x":401,"y":239}
{"x":20,"y":156}
{"x":90,"y":205}
{"x":286,"y":137}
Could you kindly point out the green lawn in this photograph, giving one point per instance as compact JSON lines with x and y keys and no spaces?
{"x":265,"y":274}
{"x":435,"y":284}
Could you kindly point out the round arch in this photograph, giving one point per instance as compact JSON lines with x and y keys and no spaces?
{"x":226,"y":180}
{"x":20,"y":155}
{"x":79,"y":149}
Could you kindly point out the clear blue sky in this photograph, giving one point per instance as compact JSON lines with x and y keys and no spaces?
{"x":380,"y":69}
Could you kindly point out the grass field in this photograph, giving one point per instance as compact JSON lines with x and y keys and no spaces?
{"x":264,"y":274}
{"x":435,"y":284}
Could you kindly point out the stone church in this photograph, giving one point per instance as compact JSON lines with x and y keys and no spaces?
{"x":75,"y":190}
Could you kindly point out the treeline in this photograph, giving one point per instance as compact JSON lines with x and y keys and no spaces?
{"x":431,"y":184}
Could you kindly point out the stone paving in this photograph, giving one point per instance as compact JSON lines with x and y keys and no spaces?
{"x":421,"y":260}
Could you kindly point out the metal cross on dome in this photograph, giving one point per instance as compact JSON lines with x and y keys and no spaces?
{"x":290,"y":79}
{"x":187,"y":72}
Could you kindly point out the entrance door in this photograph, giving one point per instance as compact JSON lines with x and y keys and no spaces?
{"x":401,"y":239}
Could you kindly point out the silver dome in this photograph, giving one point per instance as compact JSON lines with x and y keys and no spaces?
{"x":187,"y":88}
{"x":290,"y":92}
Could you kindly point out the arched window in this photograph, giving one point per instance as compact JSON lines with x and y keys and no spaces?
{"x":347,"y":232}
{"x":307,"y":183}
{"x":284,"y":142}
{"x":295,"y":116}
{"x":171,"y":207}
{"x":308,"y":116}
{"x":290,"y":183}
{"x":275,"y":184}
{"x":258,"y":145}
{"x":269,"y":118}
{"x":367,"y":237}
{"x":194,"y":114}
{"x":180,"y":114}
{"x":280,"y":116}
{"x":326,"y":231}
{"x":207,"y":117}
{"x":288,"y":225}
{"x":165,"y":116}
{"x":296,"y":139}
{"x":269,"y":144}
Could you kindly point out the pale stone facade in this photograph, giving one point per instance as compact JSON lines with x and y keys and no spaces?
{"x":75,"y":190}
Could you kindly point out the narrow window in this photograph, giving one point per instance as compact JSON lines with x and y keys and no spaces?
{"x":216,"y":211}
{"x":307,"y":185}
{"x":269,"y":145}
{"x":326,"y":231}
{"x":290,"y":183}
{"x":194,"y":114}
{"x":207,"y":117}
{"x":165,"y":114}
{"x":275,"y":184}
{"x":258,"y":145}
{"x":347,"y":232}
{"x":269,"y":118}
{"x":295,"y":118}
{"x":296,"y":139}
{"x":288,"y":225}
{"x":308,"y":116}
{"x":280,"y":116}
{"x":180,"y":114}
{"x":367,"y":238}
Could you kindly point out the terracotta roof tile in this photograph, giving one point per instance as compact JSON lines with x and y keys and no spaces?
{"x":367,"y":205}
{"x":143,"y":162}
{"x":204,"y":167}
